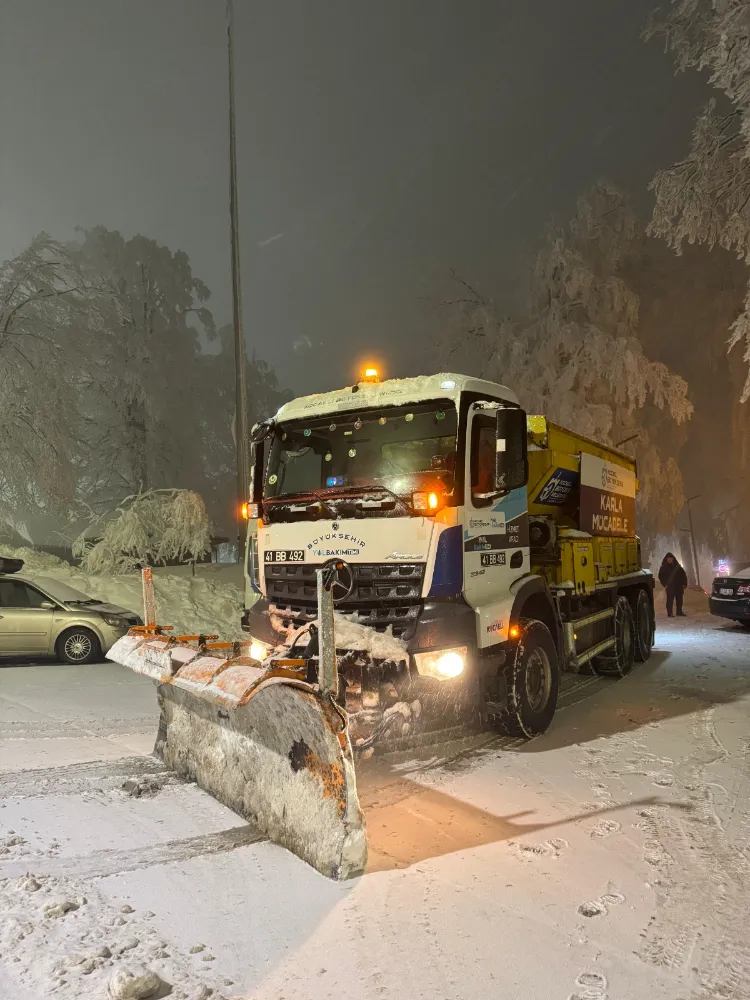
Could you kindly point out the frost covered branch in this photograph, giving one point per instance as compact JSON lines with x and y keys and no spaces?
{"x":576,"y":357}
{"x":705,"y":198}
{"x":148,"y":529}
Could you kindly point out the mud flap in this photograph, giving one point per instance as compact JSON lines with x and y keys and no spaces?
{"x":261,"y":740}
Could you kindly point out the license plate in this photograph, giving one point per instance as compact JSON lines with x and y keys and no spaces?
{"x":492,"y":559}
{"x":284,"y":555}
{"x":726,"y":591}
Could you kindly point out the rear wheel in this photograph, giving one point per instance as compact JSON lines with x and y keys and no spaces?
{"x":644,"y":626}
{"x":618,"y":660}
{"x":78,"y":645}
{"x":533,"y":679}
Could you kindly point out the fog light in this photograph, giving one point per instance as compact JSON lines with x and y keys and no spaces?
{"x":259,"y":650}
{"x":450,"y":664}
{"x":444,"y":664}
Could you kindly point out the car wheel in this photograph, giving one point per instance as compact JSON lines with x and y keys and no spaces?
{"x":78,"y":645}
{"x":619,"y":660}
{"x":643,"y":613}
{"x":533,"y":678}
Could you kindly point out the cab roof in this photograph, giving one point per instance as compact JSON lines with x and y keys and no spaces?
{"x":392,"y":392}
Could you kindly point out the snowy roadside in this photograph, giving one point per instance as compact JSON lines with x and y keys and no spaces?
{"x":210,"y":601}
{"x":607,"y":859}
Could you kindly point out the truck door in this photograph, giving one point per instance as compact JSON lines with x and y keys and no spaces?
{"x":495,"y":531}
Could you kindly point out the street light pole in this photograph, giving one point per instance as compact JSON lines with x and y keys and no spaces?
{"x":692,"y":539}
{"x":240,"y":385}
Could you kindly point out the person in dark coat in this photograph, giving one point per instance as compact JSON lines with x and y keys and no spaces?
{"x":674,"y":580}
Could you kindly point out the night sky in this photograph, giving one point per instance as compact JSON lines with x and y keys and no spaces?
{"x":379,"y":144}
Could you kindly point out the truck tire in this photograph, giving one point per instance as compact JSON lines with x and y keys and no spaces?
{"x":618,"y":660}
{"x":643,"y":612}
{"x":533,"y":678}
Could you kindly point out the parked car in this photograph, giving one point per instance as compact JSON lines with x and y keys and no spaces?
{"x":730,"y":596}
{"x":44,"y":617}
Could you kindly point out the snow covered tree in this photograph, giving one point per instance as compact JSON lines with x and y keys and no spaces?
{"x":43,"y":303}
{"x":576,"y":356}
{"x":705,"y":197}
{"x":146,"y":350}
{"x":148,"y":529}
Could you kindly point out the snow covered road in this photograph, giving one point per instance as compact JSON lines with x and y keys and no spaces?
{"x":607,"y":859}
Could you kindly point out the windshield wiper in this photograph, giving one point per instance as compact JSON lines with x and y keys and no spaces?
{"x":354,"y":495}
{"x":289,"y":499}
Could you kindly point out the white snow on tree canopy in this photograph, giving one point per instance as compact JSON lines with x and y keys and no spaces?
{"x":705,"y":197}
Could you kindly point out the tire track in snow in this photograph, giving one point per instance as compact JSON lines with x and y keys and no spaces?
{"x":76,"y":778}
{"x":101,"y":864}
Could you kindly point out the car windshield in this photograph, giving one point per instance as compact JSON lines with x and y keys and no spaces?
{"x":62,"y":592}
{"x":397,"y":449}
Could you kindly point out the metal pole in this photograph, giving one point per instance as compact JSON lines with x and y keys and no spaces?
{"x":240,"y":386}
{"x":149,"y":601}
{"x":692,"y":539}
{"x":328,"y":680}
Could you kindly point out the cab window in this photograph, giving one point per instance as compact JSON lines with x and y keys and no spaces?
{"x":483,"y":452}
{"x":17,"y":594}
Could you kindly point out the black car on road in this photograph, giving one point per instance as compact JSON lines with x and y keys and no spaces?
{"x":730,"y":597}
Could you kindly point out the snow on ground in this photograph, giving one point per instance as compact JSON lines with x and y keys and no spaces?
{"x":606,"y":859}
{"x":210,"y":601}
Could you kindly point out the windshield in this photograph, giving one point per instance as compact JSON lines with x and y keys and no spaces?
{"x":397,"y":449}
{"x":64,"y":593}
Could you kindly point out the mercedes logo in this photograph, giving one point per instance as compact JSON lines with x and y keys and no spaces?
{"x":341,"y":577}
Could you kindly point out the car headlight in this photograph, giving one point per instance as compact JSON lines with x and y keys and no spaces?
{"x":443,"y":664}
{"x":259,"y":650}
{"x":116,"y":622}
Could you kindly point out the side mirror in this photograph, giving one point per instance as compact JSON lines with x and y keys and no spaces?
{"x":512,"y":462}
{"x":47,"y":606}
{"x":259,"y":434}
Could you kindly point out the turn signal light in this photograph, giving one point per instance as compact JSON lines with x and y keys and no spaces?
{"x":245,"y":511}
{"x":370,"y":375}
{"x":514,"y":631}
{"x":427,"y":502}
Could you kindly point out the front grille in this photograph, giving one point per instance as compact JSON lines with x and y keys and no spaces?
{"x":384,"y":594}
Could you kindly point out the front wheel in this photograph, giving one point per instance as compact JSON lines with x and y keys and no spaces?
{"x":619,"y":660}
{"x":533,"y":678}
{"x":78,"y":645}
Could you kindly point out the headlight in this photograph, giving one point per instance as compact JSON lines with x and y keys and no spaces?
{"x":116,"y":622}
{"x":259,"y":650}
{"x":442,"y":663}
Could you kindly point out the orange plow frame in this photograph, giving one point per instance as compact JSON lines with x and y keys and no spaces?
{"x":260,"y":738}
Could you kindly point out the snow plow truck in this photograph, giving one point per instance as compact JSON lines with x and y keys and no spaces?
{"x":423,"y":556}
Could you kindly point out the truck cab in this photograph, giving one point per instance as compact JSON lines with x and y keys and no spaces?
{"x":419,"y":488}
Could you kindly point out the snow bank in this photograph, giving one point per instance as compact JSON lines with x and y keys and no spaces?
{"x":203,"y":603}
{"x":352,"y":635}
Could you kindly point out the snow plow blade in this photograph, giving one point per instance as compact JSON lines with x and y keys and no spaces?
{"x":260,"y":738}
